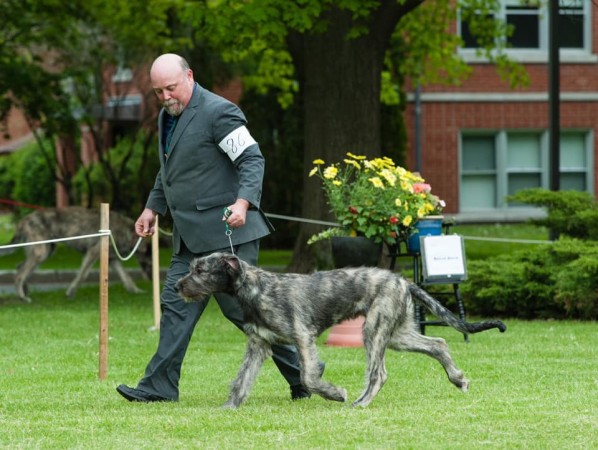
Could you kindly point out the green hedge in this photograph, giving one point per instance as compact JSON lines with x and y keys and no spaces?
{"x":556,"y":280}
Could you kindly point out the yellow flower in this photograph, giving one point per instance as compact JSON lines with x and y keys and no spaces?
{"x":374,"y":197}
{"x":330,"y":172}
{"x":357,"y":157}
{"x":389,"y":176}
{"x":377,"y":182}
{"x":406,"y":186}
{"x":350,"y":162}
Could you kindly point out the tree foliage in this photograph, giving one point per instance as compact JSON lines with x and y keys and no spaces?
{"x":56,"y":60}
{"x":336,"y":59}
{"x":341,"y":57}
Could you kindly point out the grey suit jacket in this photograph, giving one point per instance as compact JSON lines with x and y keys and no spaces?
{"x":197,"y":179}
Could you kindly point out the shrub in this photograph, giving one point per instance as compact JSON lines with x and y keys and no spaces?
{"x":552,"y":281}
{"x":572,"y":213}
{"x":27,"y":177}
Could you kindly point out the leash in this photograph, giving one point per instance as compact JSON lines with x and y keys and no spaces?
{"x":227,"y":213}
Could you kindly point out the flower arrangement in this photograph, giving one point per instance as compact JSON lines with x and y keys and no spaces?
{"x":374,"y":198}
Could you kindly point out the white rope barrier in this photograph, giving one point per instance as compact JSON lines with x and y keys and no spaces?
{"x":508,"y":241}
{"x":118,"y":253}
{"x":100,"y":233}
{"x":299,"y":219}
{"x":49,"y":241}
{"x":333,"y":224}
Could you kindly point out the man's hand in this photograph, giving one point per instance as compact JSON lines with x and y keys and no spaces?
{"x":144,"y":226}
{"x":238,"y":214}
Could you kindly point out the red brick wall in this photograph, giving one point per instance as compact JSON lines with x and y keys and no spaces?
{"x":442,"y":121}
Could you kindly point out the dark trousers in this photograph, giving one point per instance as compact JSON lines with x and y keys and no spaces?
{"x":178,"y":322}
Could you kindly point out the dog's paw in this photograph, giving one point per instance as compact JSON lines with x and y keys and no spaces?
{"x":229,"y":405}
{"x":343,"y":394}
{"x":464,"y":385}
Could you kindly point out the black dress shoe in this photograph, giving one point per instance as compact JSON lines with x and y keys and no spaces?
{"x":135,"y":395}
{"x":298,"y":391}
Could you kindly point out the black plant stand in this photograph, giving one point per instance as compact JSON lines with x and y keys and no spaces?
{"x":396,"y":251}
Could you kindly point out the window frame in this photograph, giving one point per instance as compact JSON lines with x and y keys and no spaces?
{"x":540,"y":55}
{"x":502,"y":170}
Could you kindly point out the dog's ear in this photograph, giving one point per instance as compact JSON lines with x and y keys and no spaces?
{"x":232,"y":262}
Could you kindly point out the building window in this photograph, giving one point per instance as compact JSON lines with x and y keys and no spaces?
{"x":529,"y":22}
{"x":497,"y":164}
{"x":525,"y":22}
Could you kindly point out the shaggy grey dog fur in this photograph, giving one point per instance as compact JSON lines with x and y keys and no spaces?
{"x":296,"y":309}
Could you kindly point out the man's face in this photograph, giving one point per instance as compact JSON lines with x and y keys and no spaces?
{"x":174,"y":89}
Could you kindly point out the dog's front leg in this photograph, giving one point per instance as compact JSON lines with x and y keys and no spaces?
{"x":256,"y":353}
{"x":310,"y":373}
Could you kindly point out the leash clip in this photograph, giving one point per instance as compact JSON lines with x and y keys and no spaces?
{"x":228,"y":232}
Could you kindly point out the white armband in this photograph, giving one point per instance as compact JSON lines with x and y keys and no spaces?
{"x":236,"y":142}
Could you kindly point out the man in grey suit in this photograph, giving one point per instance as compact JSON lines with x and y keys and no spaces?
{"x":209,"y":162}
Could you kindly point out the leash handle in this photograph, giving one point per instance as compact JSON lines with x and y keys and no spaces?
{"x":228,"y":232}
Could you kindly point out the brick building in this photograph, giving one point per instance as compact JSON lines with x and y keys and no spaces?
{"x":479,"y":141}
{"x":482,"y":141}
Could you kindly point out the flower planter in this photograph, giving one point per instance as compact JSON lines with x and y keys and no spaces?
{"x":427,"y":226}
{"x":355,"y":251}
{"x":352,"y":252}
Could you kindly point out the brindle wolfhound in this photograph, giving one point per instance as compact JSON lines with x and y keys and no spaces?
{"x":54,"y":223}
{"x":296,"y":309}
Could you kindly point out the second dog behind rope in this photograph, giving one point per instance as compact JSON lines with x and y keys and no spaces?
{"x":296,"y":309}
{"x":55,"y":223}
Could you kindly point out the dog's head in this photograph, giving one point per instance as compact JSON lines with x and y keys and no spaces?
{"x":218,"y":272}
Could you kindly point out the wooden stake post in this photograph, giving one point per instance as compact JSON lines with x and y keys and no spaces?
{"x":104,"y":270}
{"x":156,"y":275}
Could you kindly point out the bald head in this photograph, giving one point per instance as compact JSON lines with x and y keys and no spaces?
{"x":172,"y":81}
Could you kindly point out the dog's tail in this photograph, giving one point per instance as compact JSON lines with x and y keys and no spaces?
{"x":441,"y":312}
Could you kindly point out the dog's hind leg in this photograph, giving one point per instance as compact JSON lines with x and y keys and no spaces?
{"x":91,"y":256}
{"x":128,"y":282}
{"x":310,"y":373}
{"x":376,"y":331}
{"x":257,"y":351}
{"x":35,"y":255}
{"x":412,"y":341}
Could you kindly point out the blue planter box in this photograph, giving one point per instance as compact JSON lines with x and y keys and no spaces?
{"x":428,"y":226}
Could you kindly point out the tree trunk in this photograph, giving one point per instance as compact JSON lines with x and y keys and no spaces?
{"x":341,"y":92}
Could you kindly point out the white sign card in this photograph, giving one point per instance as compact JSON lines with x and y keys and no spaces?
{"x":443,"y":258}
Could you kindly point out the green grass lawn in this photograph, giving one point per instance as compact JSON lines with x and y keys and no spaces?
{"x":534,"y":387}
